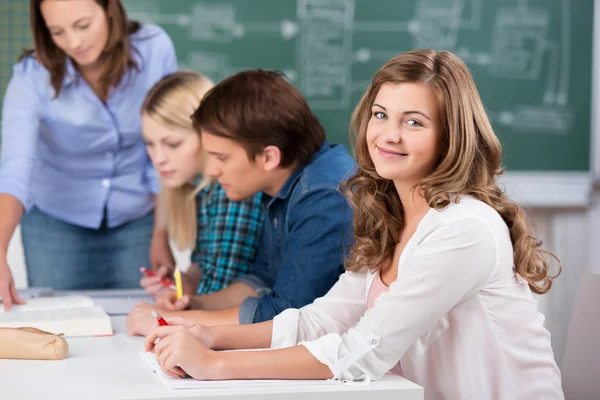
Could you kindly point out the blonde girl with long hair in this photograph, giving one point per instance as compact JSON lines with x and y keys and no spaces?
{"x":439,"y":282}
{"x":222,"y":234}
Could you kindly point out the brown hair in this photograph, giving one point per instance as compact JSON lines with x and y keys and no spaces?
{"x":171,"y":102}
{"x":117,"y":54}
{"x":469,"y":166}
{"x":260,"y":108}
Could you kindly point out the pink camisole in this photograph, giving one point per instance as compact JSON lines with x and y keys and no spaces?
{"x":377,"y":287}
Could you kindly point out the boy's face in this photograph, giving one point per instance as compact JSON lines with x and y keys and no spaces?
{"x":228,"y":163}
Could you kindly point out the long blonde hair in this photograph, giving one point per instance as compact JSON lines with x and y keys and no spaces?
{"x":171,"y":102}
{"x":469,"y":166}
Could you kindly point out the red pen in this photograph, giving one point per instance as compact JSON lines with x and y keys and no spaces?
{"x":151,"y":274}
{"x":161,"y":320}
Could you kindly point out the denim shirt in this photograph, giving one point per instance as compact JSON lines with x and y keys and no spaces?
{"x":307,"y":229}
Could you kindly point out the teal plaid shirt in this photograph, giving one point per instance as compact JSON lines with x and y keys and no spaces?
{"x":228,"y":236}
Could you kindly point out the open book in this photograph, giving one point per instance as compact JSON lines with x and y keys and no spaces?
{"x":188,"y":383}
{"x":70,"y":315}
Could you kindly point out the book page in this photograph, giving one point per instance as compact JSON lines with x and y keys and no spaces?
{"x":189,"y":383}
{"x":48,"y":303}
{"x":77,"y":321}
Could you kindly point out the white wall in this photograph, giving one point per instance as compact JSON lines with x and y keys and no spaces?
{"x":566,"y":233}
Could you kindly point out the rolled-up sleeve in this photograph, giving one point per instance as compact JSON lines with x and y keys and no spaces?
{"x":21,"y":114}
{"x":451,"y":264}
{"x":248,"y":310}
{"x":261,"y":287}
{"x":260,"y":279}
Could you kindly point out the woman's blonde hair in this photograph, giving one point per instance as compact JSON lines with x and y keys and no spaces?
{"x":469,"y":166}
{"x":171,"y":102}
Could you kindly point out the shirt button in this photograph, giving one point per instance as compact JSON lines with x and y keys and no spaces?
{"x":275,"y":222}
{"x":105,"y":183}
{"x":374,"y":341}
{"x":109,"y":154}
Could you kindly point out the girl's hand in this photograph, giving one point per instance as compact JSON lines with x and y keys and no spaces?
{"x":179,"y":353}
{"x":168,"y":300}
{"x":140,"y":320}
{"x":153,"y":285}
{"x":200,"y":332}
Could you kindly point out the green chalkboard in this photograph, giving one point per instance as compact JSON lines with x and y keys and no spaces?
{"x":531,"y":59}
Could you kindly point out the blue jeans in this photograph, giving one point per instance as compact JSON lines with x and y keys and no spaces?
{"x":68,"y":257}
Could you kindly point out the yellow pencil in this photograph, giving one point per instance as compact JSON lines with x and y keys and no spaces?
{"x":178,"y":286}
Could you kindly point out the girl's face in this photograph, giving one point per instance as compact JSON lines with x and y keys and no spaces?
{"x":175,"y":152}
{"x":404,"y":135}
{"x":79,"y":28}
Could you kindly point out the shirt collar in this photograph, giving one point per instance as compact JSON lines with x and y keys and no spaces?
{"x":286,"y":189}
{"x":70,"y":72}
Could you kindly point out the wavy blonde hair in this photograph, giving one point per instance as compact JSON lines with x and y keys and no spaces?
{"x":171,"y":102}
{"x":469,"y":166}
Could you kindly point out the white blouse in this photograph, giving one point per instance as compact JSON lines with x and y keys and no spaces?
{"x":457,"y":320}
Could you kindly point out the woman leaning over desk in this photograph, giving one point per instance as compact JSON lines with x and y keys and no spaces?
{"x":74,"y":170}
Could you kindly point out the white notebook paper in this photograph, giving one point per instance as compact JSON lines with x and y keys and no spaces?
{"x":188,"y":383}
{"x":69,"y":315}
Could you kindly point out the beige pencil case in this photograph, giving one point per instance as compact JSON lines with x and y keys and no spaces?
{"x":32,"y":344}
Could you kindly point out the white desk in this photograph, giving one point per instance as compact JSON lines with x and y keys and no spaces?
{"x":110,"y":368}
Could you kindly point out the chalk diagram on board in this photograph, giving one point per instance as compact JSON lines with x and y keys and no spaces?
{"x":521,"y":48}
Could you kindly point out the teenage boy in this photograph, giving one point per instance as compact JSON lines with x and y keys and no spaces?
{"x":259,"y":135}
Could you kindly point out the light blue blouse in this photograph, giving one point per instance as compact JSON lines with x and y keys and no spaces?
{"x":72,"y":156}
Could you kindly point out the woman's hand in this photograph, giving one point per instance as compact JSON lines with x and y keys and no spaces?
{"x":179,"y":352}
{"x":8,"y":291}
